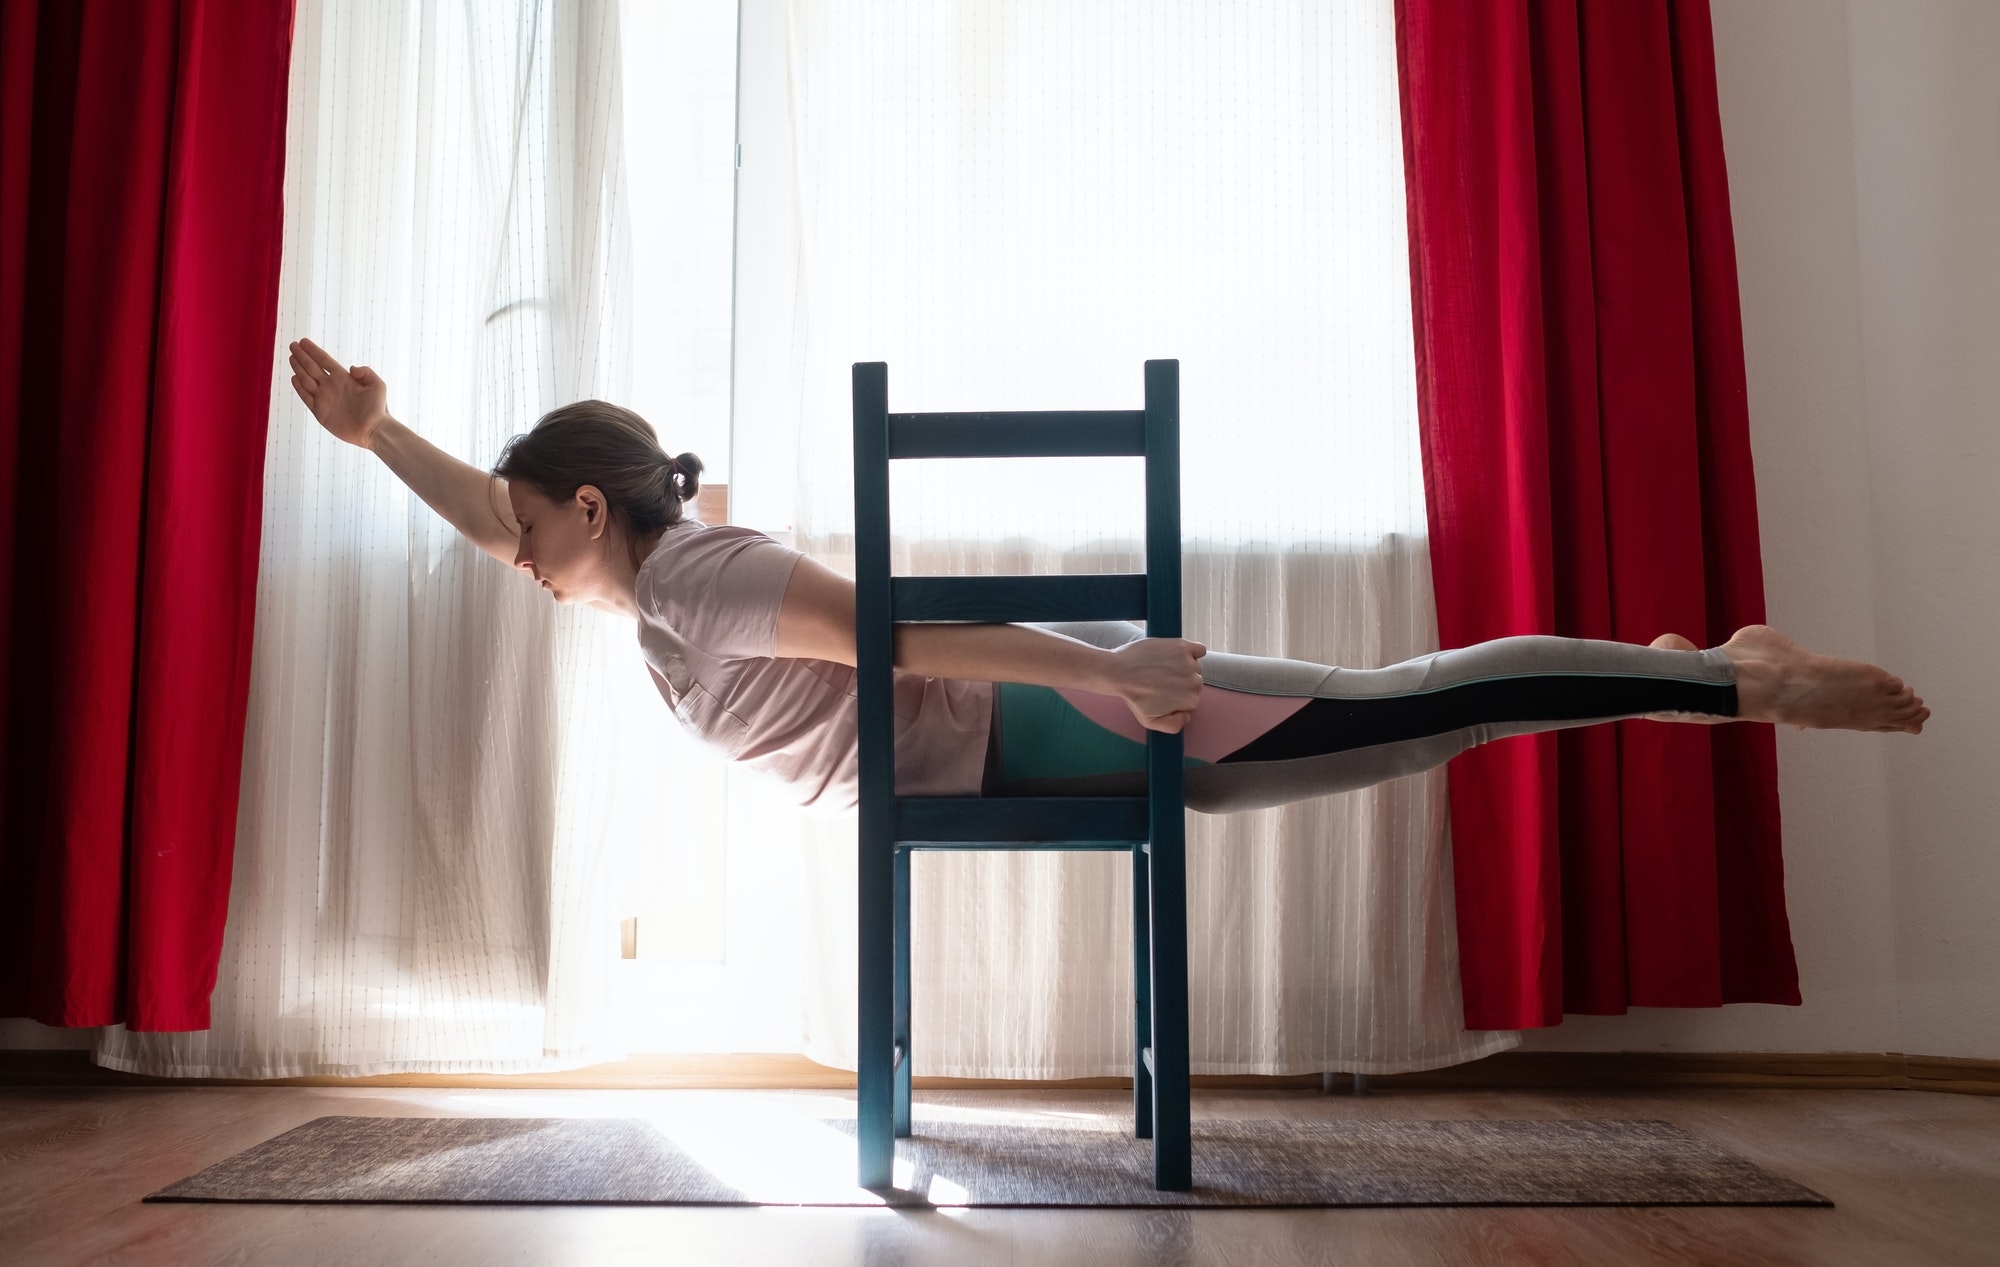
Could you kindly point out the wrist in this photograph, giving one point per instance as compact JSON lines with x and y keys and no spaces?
{"x":382,"y":434}
{"x":1100,"y":671}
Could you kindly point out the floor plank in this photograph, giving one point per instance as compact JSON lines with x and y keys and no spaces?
{"x":1915,"y":1178}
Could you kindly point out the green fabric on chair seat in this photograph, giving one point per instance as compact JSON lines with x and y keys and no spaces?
{"x":1044,"y":736}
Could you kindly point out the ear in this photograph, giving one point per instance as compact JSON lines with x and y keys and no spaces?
{"x":596,"y":510}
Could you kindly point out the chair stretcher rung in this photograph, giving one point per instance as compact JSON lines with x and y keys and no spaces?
{"x":1065,"y":434}
{"x":995,"y":599}
{"x":1020,"y":822}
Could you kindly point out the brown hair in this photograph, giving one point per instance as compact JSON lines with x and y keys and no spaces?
{"x":594,"y":442}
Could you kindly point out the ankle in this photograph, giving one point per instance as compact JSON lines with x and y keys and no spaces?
{"x":1759,"y":685}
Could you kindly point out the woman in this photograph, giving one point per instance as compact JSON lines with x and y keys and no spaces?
{"x":752,"y":644}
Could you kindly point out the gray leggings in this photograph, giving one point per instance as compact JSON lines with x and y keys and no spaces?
{"x":1366,"y":726}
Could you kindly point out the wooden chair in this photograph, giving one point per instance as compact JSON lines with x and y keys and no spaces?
{"x":892,"y":827}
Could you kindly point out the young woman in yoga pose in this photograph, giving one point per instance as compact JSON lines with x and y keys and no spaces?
{"x":752,"y":644}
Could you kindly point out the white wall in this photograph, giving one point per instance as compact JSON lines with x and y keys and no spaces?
{"x":1864,"y":164}
{"x":1927,"y":167}
{"x":18,"y":1034}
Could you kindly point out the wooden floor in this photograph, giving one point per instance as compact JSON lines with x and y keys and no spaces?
{"x":1915,"y":1178}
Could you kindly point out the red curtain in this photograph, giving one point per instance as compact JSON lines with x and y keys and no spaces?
{"x":141,"y":163}
{"x":1587,"y":462}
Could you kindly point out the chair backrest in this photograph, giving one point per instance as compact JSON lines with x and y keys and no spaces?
{"x":883,"y":600}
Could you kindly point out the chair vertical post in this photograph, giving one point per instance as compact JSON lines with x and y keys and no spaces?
{"x":1167,"y":850}
{"x":903,"y":1031}
{"x":1142,"y":998}
{"x":875,"y":663}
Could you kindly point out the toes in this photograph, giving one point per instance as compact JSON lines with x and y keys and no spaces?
{"x":1911,"y":725}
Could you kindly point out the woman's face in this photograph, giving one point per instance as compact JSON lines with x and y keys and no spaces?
{"x":563,"y":544}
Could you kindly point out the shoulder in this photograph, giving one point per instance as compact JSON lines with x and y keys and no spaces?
{"x":719,"y":586}
{"x":692,"y":550}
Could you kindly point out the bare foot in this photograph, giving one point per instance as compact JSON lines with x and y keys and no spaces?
{"x":1674,"y":642}
{"x":1777,"y":680}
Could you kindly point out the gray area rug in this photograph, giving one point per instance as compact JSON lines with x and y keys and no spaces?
{"x":1236,"y":1163}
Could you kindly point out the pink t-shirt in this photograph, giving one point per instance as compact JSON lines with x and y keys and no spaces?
{"x":708,"y":625}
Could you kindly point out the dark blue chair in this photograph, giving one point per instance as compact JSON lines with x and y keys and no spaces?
{"x":892,"y":827}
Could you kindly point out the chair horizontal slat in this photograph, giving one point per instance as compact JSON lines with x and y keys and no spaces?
{"x":1069,"y":434}
{"x":1103,"y":596}
{"x":1031,"y":822}
{"x":1018,"y":846}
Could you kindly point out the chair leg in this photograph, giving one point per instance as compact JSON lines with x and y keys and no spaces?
{"x":875,"y":1033}
{"x":902,"y":998}
{"x":1142,"y":999}
{"x":1173,"y":1164}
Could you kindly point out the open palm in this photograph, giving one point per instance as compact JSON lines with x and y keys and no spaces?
{"x":350,"y":403}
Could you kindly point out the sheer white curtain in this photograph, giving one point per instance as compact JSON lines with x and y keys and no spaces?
{"x":1014,"y":204}
{"x":443,"y":774}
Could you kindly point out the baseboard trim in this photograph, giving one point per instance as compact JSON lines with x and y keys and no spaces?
{"x":1946,"y":1073}
{"x":1515,"y":1069}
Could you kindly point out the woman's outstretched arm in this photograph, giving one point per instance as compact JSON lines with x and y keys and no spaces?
{"x":352,"y":404}
{"x":1158,"y":678}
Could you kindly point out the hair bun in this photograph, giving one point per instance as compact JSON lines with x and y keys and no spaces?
{"x":684,"y":472}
